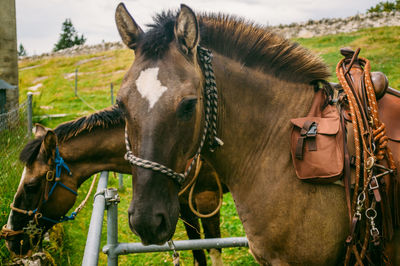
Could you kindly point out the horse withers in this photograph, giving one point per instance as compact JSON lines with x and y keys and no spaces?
{"x":88,"y":145}
{"x":263,"y":81}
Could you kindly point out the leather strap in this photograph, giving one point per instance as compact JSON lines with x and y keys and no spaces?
{"x":309,"y":132}
{"x":347,"y":170}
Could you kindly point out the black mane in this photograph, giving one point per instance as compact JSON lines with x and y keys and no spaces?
{"x":250,"y":44}
{"x":107,"y":118}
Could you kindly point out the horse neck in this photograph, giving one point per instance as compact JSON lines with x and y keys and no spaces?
{"x":254,"y":119}
{"x":100,"y":150}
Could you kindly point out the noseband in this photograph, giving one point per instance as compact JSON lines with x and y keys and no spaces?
{"x":210,"y":126}
{"x":32,"y":227}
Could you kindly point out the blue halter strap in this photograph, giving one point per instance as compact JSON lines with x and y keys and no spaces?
{"x":60,"y":164}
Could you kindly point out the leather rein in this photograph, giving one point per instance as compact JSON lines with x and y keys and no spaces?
{"x":210,"y":127}
{"x":369,"y":198}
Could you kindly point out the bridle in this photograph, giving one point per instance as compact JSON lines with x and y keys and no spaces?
{"x":210,"y":125}
{"x":32,"y":228}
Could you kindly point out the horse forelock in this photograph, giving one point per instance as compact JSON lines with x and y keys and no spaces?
{"x":106,"y":118}
{"x":246,"y":42}
{"x":31,"y":150}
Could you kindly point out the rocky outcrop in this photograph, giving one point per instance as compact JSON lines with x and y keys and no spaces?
{"x":323,"y":27}
{"x":80,"y":49}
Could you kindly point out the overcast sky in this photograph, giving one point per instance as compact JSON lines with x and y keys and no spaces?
{"x":39,"y":21}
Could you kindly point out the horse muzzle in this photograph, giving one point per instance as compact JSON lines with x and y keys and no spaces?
{"x":155,"y":229}
{"x":20,"y":245}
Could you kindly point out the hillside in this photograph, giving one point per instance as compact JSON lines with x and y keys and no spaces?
{"x":51,"y":80}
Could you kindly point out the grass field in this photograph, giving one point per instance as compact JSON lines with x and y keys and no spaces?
{"x":52,"y":82}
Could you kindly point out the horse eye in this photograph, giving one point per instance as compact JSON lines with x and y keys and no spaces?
{"x":186,"y":108}
{"x":31,"y":187}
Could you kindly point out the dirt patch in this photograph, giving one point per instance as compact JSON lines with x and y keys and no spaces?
{"x":71,"y":76}
{"x":30,"y":67}
{"x":35,"y":87}
{"x":44,"y":107}
{"x":40,"y":79}
{"x":103,"y":58}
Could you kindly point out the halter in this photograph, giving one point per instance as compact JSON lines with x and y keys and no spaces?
{"x":210,"y":127}
{"x":60,"y":164}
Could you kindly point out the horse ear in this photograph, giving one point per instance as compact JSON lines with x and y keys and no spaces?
{"x":187,"y":31}
{"x":40,"y":130}
{"x":128,"y":29}
{"x":49,"y":144}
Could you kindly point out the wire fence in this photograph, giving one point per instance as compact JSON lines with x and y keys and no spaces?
{"x":13,"y":137}
{"x":13,"y":130}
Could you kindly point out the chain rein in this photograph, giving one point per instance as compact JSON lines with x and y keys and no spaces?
{"x":210,"y":127}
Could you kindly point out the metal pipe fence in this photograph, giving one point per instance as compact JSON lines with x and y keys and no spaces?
{"x":91,"y":255}
{"x":108,"y":199}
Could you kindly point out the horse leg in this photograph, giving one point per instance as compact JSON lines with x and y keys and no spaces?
{"x":207,"y":202}
{"x":192,"y":227}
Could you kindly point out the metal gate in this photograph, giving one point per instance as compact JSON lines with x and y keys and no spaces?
{"x":107,"y":198}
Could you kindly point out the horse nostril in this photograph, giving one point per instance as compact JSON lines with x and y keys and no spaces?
{"x":19,"y":246}
{"x":160,"y":222}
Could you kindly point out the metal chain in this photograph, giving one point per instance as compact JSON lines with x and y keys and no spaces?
{"x":210,"y":127}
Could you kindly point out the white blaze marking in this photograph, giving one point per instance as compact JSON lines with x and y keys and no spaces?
{"x":21,"y":182}
{"x":149,"y":86}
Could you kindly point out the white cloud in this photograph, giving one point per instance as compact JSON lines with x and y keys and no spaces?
{"x":39,"y":22}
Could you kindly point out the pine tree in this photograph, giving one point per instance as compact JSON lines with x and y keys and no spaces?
{"x":68,"y":37}
{"x":21,"y":50}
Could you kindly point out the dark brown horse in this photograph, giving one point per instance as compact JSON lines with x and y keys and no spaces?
{"x":263,"y":81}
{"x":88,"y":145}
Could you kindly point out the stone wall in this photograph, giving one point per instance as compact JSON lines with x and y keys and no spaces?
{"x":8,"y":50}
{"x":323,"y":27}
{"x":80,"y":49}
{"x":307,"y":29}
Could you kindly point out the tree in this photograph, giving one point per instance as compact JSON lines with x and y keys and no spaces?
{"x":21,"y":50}
{"x":68,"y":37}
{"x":385,"y":6}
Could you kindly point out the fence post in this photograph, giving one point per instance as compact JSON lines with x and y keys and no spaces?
{"x":92,"y":248}
{"x":29,"y":114}
{"x":120,"y":181}
{"x":112,"y":199}
{"x":76,"y":82}
{"x":112,"y":93}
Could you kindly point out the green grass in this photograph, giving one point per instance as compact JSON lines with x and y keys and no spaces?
{"x":380,"y":45}
{"x":96,"y":72}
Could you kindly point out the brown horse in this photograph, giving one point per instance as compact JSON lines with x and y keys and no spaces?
{"x":263,"y":81}
{"x":88,"y":145}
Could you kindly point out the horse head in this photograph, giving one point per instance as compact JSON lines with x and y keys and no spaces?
{"x":44,"y":194}
{"x":161,"y":96}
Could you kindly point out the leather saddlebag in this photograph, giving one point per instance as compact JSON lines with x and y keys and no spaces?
{"x":317,"y":144}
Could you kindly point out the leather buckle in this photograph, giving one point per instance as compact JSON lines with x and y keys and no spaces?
{"x":374,"y":183}
{"x":374,"y":187}
{"x":50,"y":176}
{"x":312,"y":131}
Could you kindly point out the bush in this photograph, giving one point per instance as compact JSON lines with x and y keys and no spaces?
{"x":386,"y":6}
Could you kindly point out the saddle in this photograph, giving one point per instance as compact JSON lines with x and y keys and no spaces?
{"x":373,"y":200}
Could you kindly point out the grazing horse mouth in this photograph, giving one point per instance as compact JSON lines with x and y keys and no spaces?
{"x":17,"y":250}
